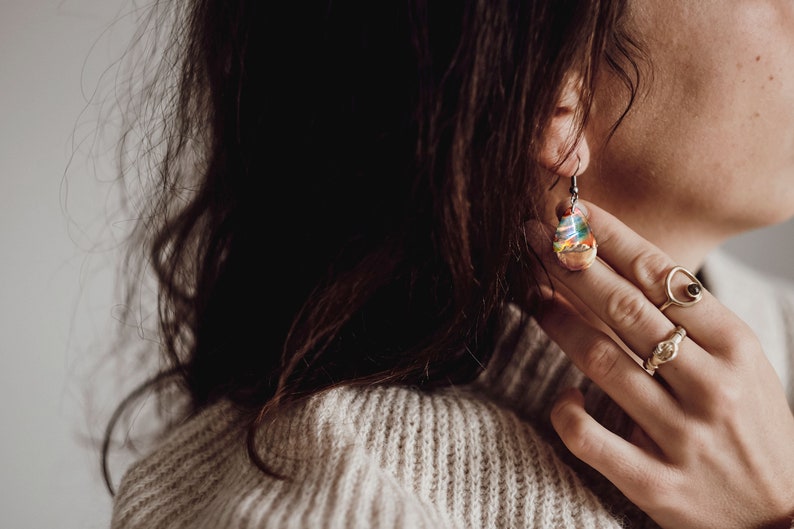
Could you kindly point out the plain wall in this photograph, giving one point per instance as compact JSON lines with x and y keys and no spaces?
{"x":57,"y":310}
{"x":55,"y":301}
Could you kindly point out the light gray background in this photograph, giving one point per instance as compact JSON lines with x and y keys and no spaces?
{"x":56,"y":300}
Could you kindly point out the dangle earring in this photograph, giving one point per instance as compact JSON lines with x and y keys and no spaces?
{"x":574,"y":243}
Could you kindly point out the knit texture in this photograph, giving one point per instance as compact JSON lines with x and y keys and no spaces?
{"x":479,"y":456}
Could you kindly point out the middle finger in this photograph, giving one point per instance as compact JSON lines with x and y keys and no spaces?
{"x":628,"y":312}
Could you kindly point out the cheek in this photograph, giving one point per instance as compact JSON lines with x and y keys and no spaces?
{"x":726,"y":105}
{"x":714,"y":127}
{"x":764,"y":63}
{"x":763,"y":151}
{"x":763,"y":147}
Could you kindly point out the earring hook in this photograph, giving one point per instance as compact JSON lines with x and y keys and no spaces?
{"x":574,"y":189}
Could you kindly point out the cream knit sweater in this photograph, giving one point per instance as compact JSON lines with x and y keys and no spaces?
{"x":480,"y":456}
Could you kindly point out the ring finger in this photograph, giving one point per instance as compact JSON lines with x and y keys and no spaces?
{"x":648,"y":267}
{"x":603,"y":360}
{"x":637,"y":323}
{"x":624,"y":307}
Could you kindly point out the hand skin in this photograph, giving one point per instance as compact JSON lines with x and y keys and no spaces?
{"x":713,"y":441}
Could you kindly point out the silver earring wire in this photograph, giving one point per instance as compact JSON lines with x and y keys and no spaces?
{"x":574,"y":189}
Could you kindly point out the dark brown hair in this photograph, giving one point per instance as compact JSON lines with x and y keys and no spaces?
{"x":339,"y":188}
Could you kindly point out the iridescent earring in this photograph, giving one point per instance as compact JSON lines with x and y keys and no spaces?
{"x":574,"y":243}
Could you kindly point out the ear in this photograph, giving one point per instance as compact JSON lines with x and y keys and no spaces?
{"x":564,"y":150}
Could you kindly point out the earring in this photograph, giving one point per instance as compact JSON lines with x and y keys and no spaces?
{"x":574,"y":243}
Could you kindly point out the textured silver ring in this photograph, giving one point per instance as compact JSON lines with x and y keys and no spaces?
{"x":694,"y":290}
{"x":665,"y":351}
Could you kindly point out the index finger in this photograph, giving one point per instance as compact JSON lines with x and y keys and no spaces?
{"x":646,"y":266}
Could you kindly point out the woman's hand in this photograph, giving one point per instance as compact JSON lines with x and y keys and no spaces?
{"x":713,"y":442}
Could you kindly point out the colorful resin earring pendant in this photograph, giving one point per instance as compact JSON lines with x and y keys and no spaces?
{"x":574,"y":243}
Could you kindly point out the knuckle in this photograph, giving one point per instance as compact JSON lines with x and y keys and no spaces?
{"x":573,"y":428}
{"x":646,"y":480}
{"x":578,"y":440}
{"x":650,"y":269}
{"x":725,"y":399}
{"x":624,"y":309}
{"x":709,"y":391}
{"x":719,"y":404}
{"x":661,"y":490}
{"x":600,"y":359}
{"x":738,"y":342}
{"x":734,"y":335}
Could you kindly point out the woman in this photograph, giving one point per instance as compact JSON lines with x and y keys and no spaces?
{"x":361,"y":294}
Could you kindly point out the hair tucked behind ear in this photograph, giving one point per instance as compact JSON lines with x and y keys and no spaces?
{"x":340,"y":187}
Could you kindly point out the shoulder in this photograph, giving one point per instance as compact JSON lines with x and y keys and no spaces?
{"x":189,"y":461}
{"x":362,"y":457}
{"x":452,"y":455}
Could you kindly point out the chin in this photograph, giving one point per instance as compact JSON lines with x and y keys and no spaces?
{"x":763,"y":217}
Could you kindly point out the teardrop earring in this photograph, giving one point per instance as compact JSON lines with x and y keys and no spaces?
{"x":574,"y":243}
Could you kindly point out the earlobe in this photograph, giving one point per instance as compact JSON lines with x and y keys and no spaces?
{"x":562,"y":159}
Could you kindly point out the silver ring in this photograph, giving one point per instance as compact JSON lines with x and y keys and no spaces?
{"x":665,"y":351}
{"x":694,"y":290}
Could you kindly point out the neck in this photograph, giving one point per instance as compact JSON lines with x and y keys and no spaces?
{"x":685,"y":240}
